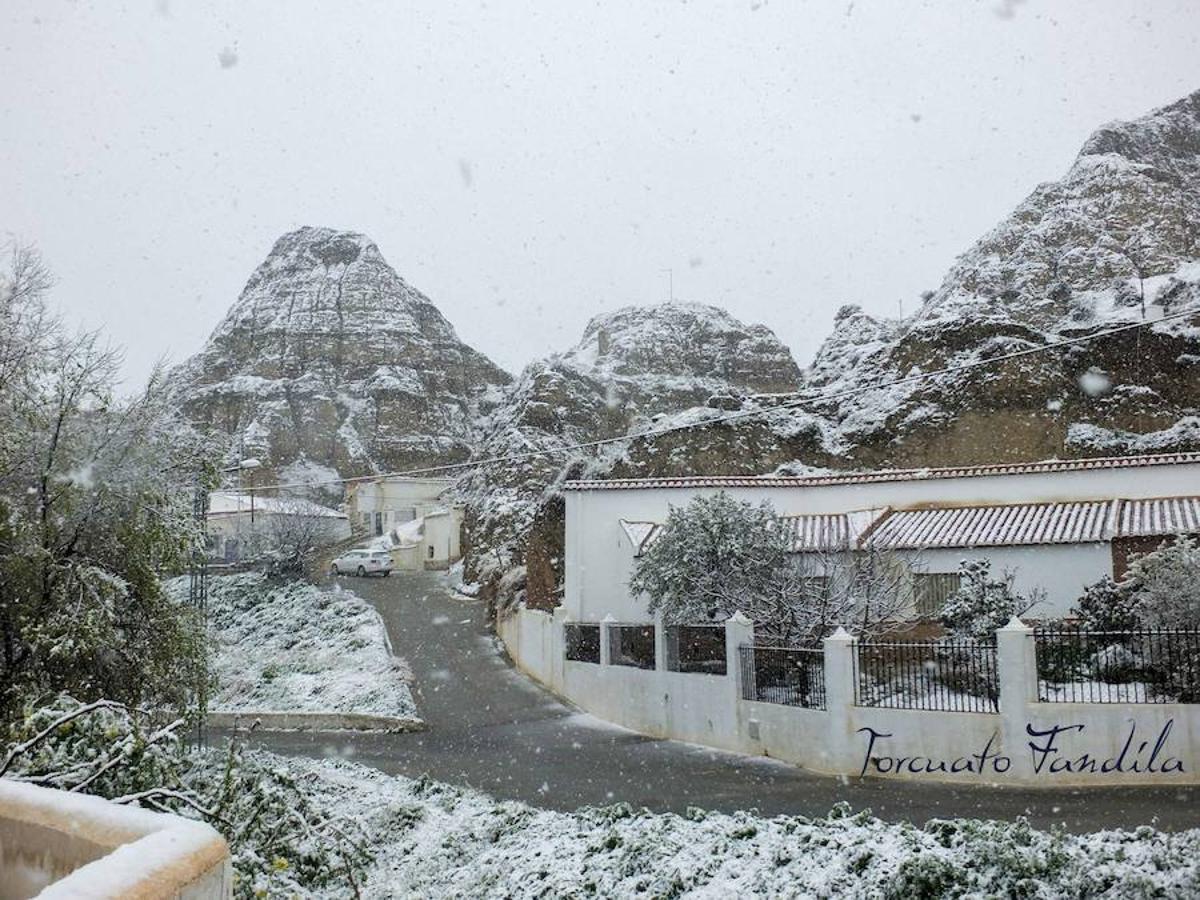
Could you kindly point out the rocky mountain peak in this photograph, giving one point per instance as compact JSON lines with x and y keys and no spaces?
{"x":685,"y":340}
{"x":1128,"y":209}
{"x":330,"y":362}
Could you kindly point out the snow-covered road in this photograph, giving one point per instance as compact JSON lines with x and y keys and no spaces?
{"x":493,"y":729}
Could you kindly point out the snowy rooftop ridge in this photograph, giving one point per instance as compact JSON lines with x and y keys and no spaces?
{"x":883,"y":475}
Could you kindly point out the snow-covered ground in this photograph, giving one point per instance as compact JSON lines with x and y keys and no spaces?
{"x":433,"y":840}
{"x":294,"y":647}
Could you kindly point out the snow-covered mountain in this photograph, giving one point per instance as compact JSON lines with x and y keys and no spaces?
{"x":1116,"y":240}
{"x":330,"y":363}
{"x":630,"y":368}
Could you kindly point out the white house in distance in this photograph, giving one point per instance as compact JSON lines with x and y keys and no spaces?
{"x":412,"y":516}
{"x":241,"y":524}
{"x":1059,"y":525}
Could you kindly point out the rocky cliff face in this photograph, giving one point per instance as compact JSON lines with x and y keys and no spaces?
{"x":630,"y":368}
{"x":1116,"y":241}
{"x":330,"y":363}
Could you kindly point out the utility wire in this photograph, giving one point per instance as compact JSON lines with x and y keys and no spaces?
{"x":740,"y":415}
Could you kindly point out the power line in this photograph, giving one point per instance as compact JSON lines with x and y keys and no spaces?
{"x":740,"y":415}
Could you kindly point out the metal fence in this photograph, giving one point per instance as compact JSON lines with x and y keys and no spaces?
{"x":945,"y":675}
{"x":583,"y":642}
{"x":696,"y":649}
{"x":786,"y":675}
{"x":631,"y":645}
{"x":1144,"y":666}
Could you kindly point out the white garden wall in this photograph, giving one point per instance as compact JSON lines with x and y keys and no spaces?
{"x":1025,"y":743}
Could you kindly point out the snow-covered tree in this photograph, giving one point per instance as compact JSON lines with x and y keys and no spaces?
{"x":94,"y":507}
{"x":714,"y":556}
{"x":717,"y":556}
{"x":984,"y":602}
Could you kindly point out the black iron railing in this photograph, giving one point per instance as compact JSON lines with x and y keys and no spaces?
{"x":697,"y":649}
{"x":946,"y":675}
{"x":583,"y":642}
{"x":631,"y":645}
{"x":1144,"y":666}
{"x":787,"y":675}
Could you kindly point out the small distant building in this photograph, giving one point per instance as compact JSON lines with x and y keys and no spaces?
{"x":241,"y":526}
{"x":412,"y":517}
{"x":1058,"y":525}
{"x":379,"y":505}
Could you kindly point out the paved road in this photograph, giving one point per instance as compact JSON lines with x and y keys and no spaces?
{"x":493,"y":729}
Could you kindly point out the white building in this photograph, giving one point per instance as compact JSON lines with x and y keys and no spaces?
{"x":379,"y":505}
{"x":241,"y":525}
{"x":1058,"y":525}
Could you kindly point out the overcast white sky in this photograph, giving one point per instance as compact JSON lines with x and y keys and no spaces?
{"x":527,"y":164}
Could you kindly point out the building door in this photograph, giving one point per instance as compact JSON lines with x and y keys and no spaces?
{"x":378,"y":524}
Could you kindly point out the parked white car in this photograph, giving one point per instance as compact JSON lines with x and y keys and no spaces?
{"x":362,"y":563}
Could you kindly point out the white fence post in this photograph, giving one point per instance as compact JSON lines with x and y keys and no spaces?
{"x":840,"y":695}
{"x":605,"y":642}
{"x":558,"y":647}
{"x":1016,"y":664}
{"x":660,"y":643}
{"x":739,"y":632}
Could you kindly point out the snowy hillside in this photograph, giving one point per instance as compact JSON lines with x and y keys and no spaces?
{"x":330,"y":362}
{"x":296,"y":648}
{"x":630,"y":367}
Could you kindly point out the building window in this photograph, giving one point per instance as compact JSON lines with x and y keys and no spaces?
{"x":932,"y":590}
{"x":378,"y":524}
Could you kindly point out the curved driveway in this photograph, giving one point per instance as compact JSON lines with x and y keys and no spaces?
{"x":492,"y":728}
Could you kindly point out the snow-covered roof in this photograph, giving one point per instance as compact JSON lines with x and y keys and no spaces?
{"x":995,"y":526}
{"x":1166,"y":515}
{"x":829,"y":532}
{"x":884,"y":475}
{"x":228,"y":503}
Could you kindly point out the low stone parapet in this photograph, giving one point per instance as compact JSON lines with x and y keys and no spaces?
{"x":67,"y":845}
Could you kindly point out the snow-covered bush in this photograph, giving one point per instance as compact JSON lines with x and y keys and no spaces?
{"x":715,"y":556}
{"x":1164,"y":584}
{"x":983,"y":602}
{"x":1106,"y":606}
{"x":282,"y":845}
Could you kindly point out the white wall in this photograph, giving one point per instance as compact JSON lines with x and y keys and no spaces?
{"x":396,"y":493}
{"x":910,"y":744}
{"x":1061,"y":570}
{"x":442,"y":532}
